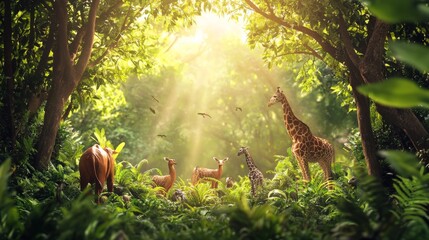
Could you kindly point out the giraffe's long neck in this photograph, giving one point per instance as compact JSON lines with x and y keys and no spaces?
{"x":250,"y":164}
{"x":297,"y":130}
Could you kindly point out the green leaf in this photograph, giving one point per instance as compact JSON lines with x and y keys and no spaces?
{"x":396,"y":92}
{"x":395,"y":11}
{"x":98,"y":135}
{"x":275,"y":192}
{"x":120,"y":147}
{"x":406,"y":164}
{"x":413,"y":54}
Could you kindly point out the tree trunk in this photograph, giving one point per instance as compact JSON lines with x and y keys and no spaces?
{"x":66,"y":76}
{"x":407,"y":121}
{"x":371,"y":69}
{"x":366,"y":133}
{"x":364,"y":122}
{"x":51,"y":123}
{"x":8,"y":73}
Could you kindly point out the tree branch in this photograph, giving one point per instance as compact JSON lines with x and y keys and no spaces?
{"x":74,"y":46}
{"x":313,"y":52}
{"x":331,"y":50}
{"x":60,"y":8}
{"x":31,"y":34}
{"x":43,"y":62}
{"x":371,"y":66}
{"x":302,"y":52}
{"x":345,"y":37}
{"x":9,"y":72}
{"x":68,"y":110}
{"x":103,"y":16}
{"x":370,"y":26}
{"x":115,"y":42}
{"x":88,"y":41}
{"x":172,"y":43}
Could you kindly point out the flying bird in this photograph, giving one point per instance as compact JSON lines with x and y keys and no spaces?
{"x":152,"y":110}
{"x":204,"y":115}
{"x":162,"y":135}
{"x":238,"y":109}
{"x":154,"y":98}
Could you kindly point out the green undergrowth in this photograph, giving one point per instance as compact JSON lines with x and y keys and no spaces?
{"x":50,"y":205}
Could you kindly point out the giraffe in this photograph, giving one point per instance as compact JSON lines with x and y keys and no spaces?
{"x":255,"y":176}
{"x":305,"y":146}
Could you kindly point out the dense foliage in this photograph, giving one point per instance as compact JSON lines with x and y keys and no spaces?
{"x":49,"y":205}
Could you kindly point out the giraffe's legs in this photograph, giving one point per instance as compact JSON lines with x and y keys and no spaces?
{"x":252,"y":184}
{"x":325,"y":164}
{"x":303,"y":164}
{"x":304,"y":169}
{"x":260,"y":181}
{"x":253,"y":189}
{"x":257,"y":184}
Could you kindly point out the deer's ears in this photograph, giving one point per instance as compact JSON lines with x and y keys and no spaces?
{"x":215,"y":158}
{"x":226,"y":159}
{"x":166,"y":159}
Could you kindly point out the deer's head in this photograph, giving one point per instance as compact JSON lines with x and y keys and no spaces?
{"x":220,"y":161}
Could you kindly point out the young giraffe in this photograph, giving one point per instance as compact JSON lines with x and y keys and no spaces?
{"x":255,"y":176}
{"x":305,"y":146}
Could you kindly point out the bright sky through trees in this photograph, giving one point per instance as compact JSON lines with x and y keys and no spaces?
{"x":209,"y":69}
{"x":205,"y":67}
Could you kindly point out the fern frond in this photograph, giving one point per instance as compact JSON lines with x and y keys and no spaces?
{"x":413,"y":198}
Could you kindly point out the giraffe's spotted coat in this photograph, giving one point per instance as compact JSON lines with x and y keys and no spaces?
{"x":305,"y":146}
{"x":255,"y":176}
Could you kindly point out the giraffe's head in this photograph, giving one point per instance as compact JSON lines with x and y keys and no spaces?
{"x":170,"y":161}
{"x":220,"y":161}
{"x":241,"y":151}
{"x":277,"y":97}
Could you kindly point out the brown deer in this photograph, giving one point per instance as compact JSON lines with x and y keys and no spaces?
{"x":166,"y":181}
{"x":200,"y":173}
